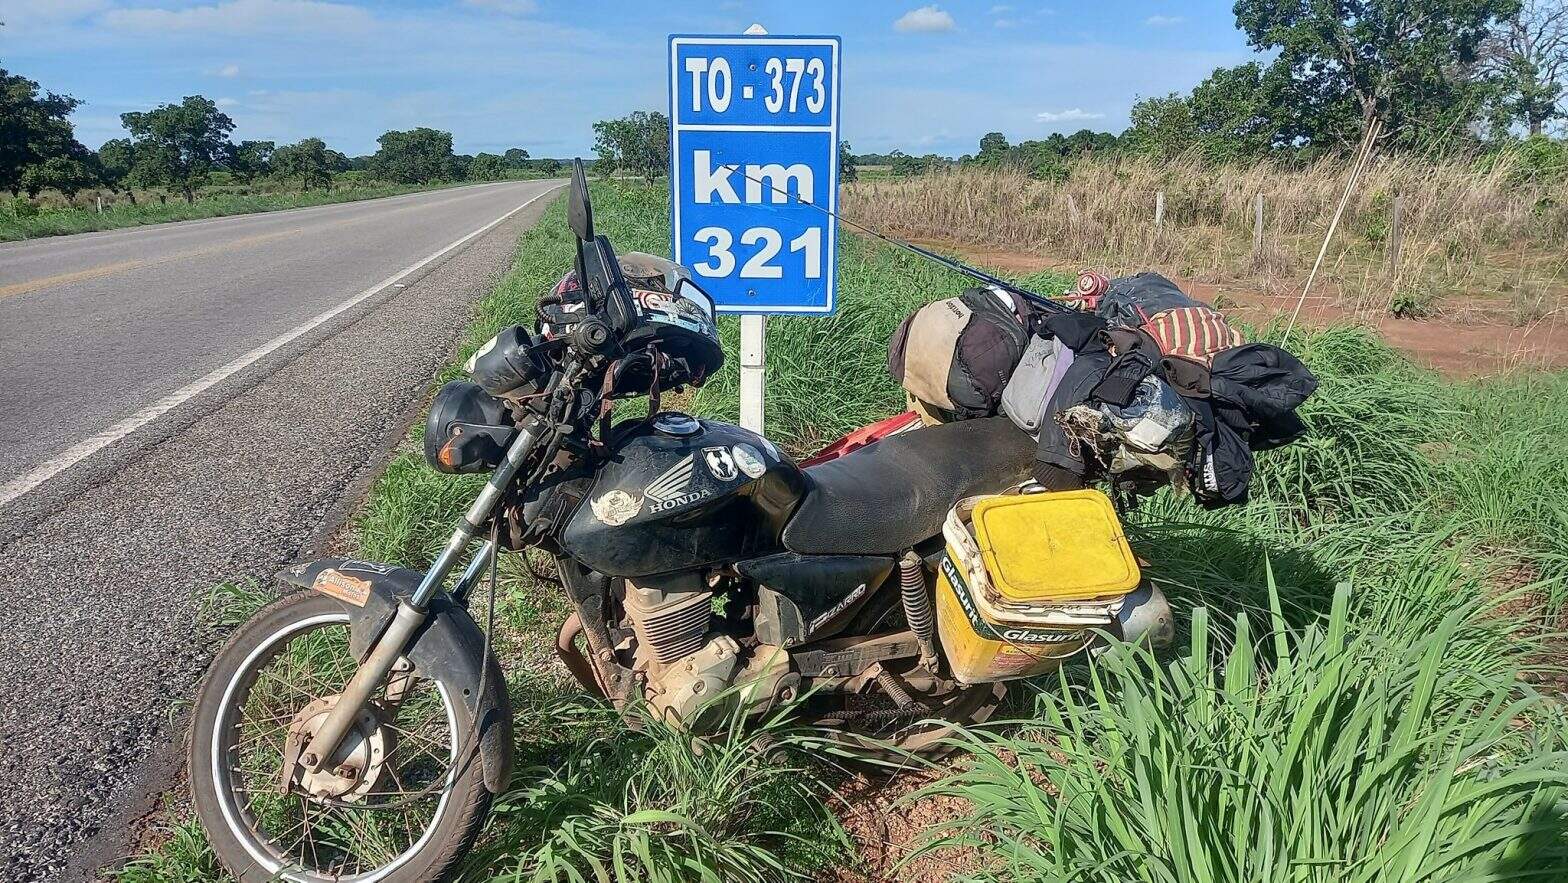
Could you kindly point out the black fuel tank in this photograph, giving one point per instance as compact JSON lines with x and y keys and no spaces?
{"x":682,"y":493}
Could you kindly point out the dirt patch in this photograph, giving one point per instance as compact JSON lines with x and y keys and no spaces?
{"x":1470,"y":337}
{"x":888,"y":827}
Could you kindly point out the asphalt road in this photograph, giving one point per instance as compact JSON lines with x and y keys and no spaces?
{"x":183,"y":405}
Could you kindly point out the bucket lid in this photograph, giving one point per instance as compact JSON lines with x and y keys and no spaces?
{"x":1054,"y":546}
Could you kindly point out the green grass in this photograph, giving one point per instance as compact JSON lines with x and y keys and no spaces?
{"x":1351,"y":696}
{"x":1336,"y":752}
{"x":62,"y":221}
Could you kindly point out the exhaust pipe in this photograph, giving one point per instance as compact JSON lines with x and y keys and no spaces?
{"x":573,"y":659}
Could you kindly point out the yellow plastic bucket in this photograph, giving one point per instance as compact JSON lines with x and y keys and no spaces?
{"x":1026,"y":581}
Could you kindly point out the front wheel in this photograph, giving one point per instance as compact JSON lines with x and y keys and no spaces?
{"x":403,"y":798}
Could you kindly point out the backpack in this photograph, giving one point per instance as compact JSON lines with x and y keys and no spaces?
{"x":955,"y":356}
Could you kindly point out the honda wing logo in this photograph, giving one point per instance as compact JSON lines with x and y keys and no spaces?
{"x":673,"y":488}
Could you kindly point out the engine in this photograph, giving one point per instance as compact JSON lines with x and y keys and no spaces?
{"x":687,"y":666}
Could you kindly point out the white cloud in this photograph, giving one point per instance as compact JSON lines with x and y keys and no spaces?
{"x":507,"y":7}
{"x":1005,"y":23}
{"x":999,"y":9}
{"x":926,"y":19}
{"x":229,"y":71}
{"x":1163,"y":21}
{"x":226,"y":102}
{"x":244,"y":18}
{"x":1077,"y":114}
{"x":24,"y":14}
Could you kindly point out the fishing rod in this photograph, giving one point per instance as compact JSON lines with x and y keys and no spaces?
{"x":978,"y":275}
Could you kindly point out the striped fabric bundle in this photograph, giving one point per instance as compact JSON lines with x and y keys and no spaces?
{"x":1195,"y":333}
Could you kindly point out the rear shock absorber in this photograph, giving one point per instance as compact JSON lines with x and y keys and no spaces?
{"x":917,"y":606}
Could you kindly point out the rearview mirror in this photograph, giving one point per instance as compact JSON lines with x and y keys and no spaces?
{"x":579,"y":209}
{"x":688,"y":290}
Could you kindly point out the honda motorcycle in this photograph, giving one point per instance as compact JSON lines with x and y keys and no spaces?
{"x":359,"y":730}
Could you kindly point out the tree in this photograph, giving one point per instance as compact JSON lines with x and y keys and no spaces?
{"x":1528,"y":59}
{"x":309,"y":162}
{"x":993,"y":148}
{"x":417,"y":156}
{"x":1161,"y":127}
{"x":515,"y":158}
{"x":69,"y":174}
{"x":35,"y":126}
{"x":487,"y":167}
{"x":250,"y":160}
{"x":178,"y":145}
{"x":1346,"y":63}
{"x":904,"y":165}
{"x":549,"y":166}
{"x":115,"y":159}
{"x":846,"y":162}
{"x":638,"y":144}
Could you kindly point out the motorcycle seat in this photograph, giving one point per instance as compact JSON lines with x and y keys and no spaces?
{"x":892,"y":494}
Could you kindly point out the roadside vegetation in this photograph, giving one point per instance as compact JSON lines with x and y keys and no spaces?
{"x":1474,"y":231}
{"x":1464,"y":208}
{"x":1366,"y":685}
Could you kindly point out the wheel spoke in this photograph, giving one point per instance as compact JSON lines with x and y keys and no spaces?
{"x":335,"y":837}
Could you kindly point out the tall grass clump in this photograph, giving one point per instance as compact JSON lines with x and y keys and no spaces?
{"x":1456,"y":213}
{"x":1338,"y":751}
{"x":600,"y":801}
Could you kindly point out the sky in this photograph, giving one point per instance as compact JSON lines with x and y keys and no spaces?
{"x":917,"y":76}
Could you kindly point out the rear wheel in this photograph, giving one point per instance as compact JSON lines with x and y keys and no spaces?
{"x":403,"y":799}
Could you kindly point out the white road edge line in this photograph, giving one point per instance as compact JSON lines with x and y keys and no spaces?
{"x":17,"y":487}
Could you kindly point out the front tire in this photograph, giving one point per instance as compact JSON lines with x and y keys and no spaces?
{"x":419,"y":805}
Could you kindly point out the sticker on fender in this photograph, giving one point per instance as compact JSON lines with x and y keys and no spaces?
{"x":345,"y":588}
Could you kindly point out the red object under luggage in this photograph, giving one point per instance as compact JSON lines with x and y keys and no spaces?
{"x":864,"y":436}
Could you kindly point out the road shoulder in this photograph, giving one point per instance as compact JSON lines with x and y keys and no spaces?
{"x":234,"y":486}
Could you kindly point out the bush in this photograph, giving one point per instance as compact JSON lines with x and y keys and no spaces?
{"x":22,"y":207}
{"x":1541,"y":158}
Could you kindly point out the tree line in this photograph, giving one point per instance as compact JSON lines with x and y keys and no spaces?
{"x":178,"y":147}
{"x":1439,"y":76}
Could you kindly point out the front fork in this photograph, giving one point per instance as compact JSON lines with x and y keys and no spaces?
{"x":412,"y":611}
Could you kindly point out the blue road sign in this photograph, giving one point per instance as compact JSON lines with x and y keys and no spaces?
{"x":754,"y":127}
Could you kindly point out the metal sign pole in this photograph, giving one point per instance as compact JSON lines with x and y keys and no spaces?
{"x":753,"y":356}
{"x":753,"y":344}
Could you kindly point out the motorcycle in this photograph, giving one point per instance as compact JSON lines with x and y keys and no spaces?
{"x":360,"y":729}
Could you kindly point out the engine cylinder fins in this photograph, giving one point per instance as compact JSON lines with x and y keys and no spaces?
{"x":669,"y":625}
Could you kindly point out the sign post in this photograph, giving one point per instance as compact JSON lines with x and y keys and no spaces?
{"x":753,"y":159}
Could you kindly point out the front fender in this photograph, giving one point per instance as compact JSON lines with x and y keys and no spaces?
{"x":448,"y":647}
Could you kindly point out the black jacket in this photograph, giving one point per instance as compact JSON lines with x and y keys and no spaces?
{"x":1254,"y":391}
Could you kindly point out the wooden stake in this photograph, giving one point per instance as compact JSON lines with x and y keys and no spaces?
{"x":1159,"y":208}
{"x":1257,"y":225}
{"x":1396,"y":234}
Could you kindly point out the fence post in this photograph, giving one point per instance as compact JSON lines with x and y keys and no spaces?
{"x":1072,"y":210}
{"x":100,"y":203}
{"x":1257,"y":224}
{"x":1396,"y":233}
{"x":1159,"y":208}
